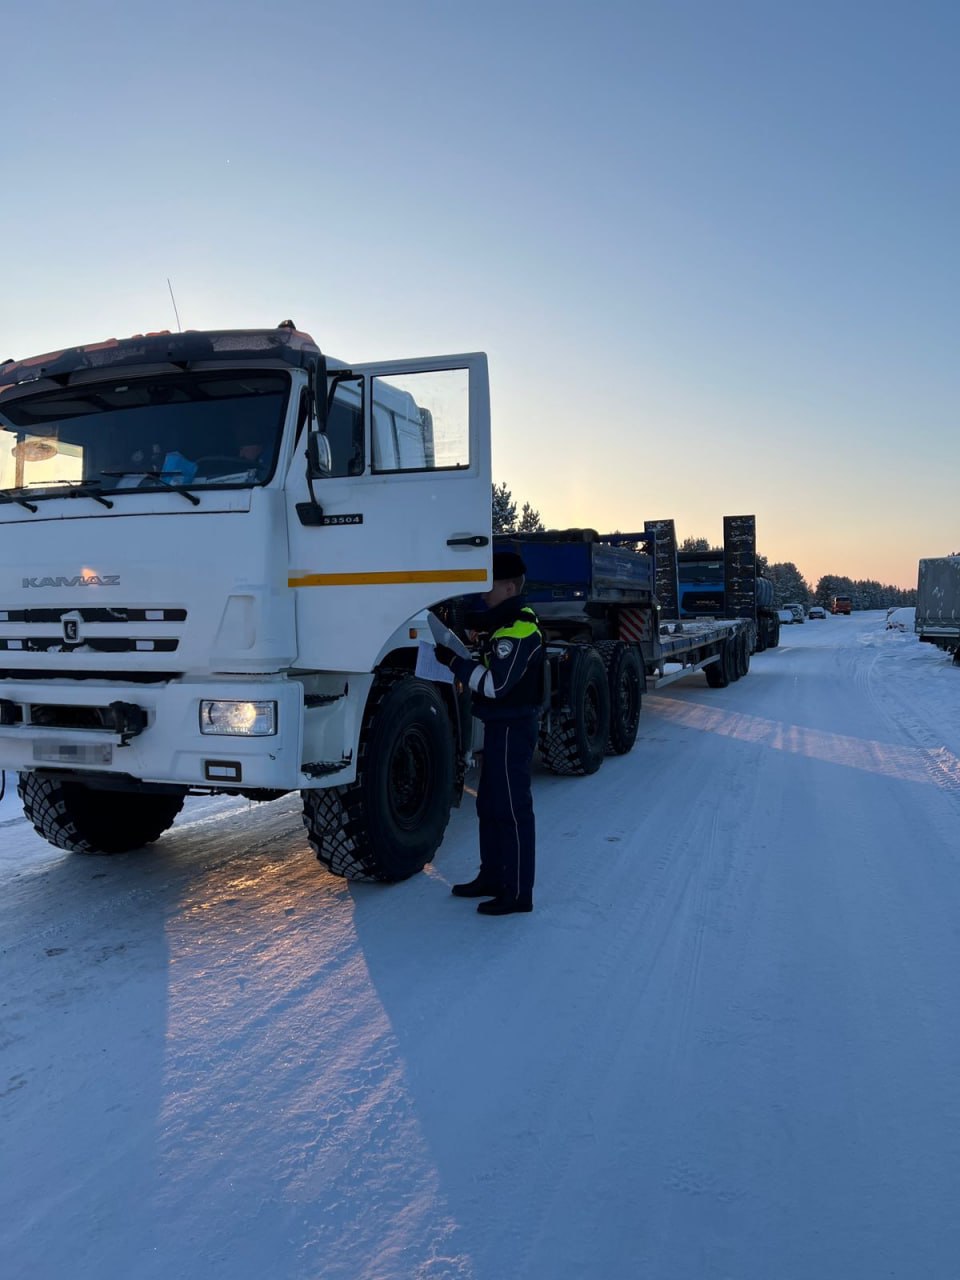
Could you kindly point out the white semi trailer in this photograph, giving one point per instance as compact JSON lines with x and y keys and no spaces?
{"x":938,"y":603}
{"x":215,"y":553}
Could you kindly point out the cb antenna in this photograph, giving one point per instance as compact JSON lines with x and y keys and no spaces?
{"x":174,"y":301}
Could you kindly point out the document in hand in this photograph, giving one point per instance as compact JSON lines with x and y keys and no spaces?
{"x":428,"y":668}
{"x":443,"y":635}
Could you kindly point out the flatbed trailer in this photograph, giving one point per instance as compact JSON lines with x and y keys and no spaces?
{"x":604,"y":608}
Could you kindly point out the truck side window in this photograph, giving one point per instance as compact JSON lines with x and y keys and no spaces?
{"x":345,"y":429}
{"x":421,"y":421}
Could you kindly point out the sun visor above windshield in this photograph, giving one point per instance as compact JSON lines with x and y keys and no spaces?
{"x":285,"y":344}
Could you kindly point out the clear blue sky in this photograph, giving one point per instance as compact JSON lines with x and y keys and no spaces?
{"x":711,"y":248}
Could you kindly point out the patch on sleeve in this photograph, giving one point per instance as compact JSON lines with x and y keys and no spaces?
{"x":504,"y":648}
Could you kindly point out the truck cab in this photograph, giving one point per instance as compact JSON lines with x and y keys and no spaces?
{"x":700,"y":584}
{"x":215,"y":551}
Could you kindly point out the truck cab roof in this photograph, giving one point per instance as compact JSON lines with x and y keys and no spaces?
{"x":284,"y":344}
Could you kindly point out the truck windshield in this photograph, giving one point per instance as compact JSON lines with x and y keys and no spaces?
{"x":699,"y":570}
{"x":193,"y":429}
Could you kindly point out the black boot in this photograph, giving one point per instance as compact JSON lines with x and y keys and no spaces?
{"x":478,"y":888}
{"x":504,"y":906}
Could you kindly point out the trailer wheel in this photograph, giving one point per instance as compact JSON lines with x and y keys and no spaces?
{"x":718,"y":673}
{"x":626,"y":684}
{"x":731,"y":657}
{"x":578,"y":737}
{"x":388,"y":824}
{"x":80,"y":819}
{"x":744,"y":653}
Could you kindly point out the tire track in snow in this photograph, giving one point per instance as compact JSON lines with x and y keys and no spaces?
{"x":890,"y":695}
{"x":308,"y":1047}
{"x":64,"y":892}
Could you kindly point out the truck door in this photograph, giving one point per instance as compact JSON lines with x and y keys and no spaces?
{"x":406,"y":512}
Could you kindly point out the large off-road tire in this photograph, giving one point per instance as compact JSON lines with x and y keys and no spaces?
{"x":577,"y":739}
{"x":388,"y":824}
{"x":83,"y":820}
{"x":626,"y":683}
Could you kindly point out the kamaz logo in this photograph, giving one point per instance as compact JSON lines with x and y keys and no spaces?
{"x":80,"y":580}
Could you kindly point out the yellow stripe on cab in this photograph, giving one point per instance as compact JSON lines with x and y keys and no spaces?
{"x":386,"y":577}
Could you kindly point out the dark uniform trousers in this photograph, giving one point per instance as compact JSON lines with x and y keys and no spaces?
{"x":505,"y":803}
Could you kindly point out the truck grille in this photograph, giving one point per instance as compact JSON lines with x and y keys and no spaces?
{"x":91,"y":630}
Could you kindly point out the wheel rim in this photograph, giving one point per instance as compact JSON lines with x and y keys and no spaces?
{"x":411,"y":777}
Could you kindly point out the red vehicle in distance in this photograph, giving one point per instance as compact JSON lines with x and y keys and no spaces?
{"x":841,"y":604}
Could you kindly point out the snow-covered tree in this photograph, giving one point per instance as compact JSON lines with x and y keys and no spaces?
{"x":530,"y":521}
{"x":789,"y":584}
{"x":504,"y":509}
{"x":864,"y":592}
{"x":699,"y":544}
{"x":505,"y":513}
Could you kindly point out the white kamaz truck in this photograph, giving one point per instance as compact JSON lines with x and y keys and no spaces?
{"x":215,"y":553}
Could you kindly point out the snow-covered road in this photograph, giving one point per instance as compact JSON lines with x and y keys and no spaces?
{"x":725,"y":1045}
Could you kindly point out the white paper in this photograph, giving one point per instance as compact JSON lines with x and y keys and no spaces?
{"x":428,"y":668}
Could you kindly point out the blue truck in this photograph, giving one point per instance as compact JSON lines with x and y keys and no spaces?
{"x":608,"y":608}
{"x":704,"y":581}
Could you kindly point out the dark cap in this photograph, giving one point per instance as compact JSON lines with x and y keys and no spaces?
{"x":506,"y":565}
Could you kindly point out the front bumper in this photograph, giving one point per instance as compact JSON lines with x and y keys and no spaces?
{"x":53,"y":724}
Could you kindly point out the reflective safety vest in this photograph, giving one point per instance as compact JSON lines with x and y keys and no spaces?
{"x":509,"y":677}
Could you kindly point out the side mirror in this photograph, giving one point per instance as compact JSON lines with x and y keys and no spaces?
{"x":319,"y":455}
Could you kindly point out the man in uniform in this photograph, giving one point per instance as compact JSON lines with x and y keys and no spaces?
{"x":506,"y":681}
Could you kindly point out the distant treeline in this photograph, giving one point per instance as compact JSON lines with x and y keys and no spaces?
{"x":789,"y":584}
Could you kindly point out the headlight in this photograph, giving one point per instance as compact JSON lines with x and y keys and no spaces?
{"x":240,"y":719}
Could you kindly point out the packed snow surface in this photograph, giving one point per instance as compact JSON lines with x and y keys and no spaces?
{"x":726,"y":1044}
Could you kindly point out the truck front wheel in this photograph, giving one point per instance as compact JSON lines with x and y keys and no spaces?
{"x":388,"y":824}
{"x":81,"y":819}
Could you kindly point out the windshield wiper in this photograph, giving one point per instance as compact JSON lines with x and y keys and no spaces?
{"x":13,"y":497}
{"x":155,"y":475}
{"x":88,"y":489}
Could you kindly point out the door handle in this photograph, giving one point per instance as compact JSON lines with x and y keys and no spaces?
{"x":474,"y":540}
